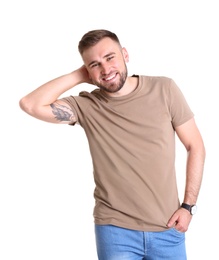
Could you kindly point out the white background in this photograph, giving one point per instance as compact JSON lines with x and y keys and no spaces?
{"x":46,"y":183}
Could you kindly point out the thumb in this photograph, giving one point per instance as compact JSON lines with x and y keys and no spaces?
{"x":172,"y":221}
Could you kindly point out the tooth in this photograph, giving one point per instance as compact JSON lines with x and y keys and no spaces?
{"x":109,"y":78}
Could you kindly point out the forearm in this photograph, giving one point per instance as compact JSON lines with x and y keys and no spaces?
{"x":43,"y":103}
{"x":50,"y":91}
{"x":194,"y":174}
{"x":195,"y":166}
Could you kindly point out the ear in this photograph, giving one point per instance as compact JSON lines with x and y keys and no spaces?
{"x":125,"y":54}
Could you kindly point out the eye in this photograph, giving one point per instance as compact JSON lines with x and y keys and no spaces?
{"x":110,"y":57}
{"x":94,"y":65}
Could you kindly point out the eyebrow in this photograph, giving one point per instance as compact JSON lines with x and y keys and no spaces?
{"x":106,"y":56}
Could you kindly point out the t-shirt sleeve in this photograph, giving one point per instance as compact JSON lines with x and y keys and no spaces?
{"x":79,"y":105}
{"x":179,"y":108}
{"x":71,"y":101}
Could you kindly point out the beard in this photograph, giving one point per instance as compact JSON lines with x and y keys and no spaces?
{"x":116,"y":86}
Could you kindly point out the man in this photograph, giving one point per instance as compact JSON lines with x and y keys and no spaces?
{"x":130,"y":123}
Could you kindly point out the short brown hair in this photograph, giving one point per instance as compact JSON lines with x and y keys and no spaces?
{"x":93,"y":37}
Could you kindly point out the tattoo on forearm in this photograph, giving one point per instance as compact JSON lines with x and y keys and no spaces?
{"x":62,"y":113}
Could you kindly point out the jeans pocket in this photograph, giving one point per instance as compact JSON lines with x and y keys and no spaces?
{"x":177,"y":231}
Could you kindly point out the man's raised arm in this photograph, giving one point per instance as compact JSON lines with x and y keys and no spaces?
{"x":43,"y":103}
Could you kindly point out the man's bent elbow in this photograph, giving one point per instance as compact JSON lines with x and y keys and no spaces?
{"x":28,"y":107}
{"x":24,"y":105}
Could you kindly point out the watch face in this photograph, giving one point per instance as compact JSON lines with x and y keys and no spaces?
{"x":193,"y":209}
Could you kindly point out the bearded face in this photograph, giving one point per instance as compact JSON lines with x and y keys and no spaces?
{"x":106,"y":65}
{"x":113,"y":82}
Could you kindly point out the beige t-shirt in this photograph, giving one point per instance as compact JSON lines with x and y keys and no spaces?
{"x":132,"y":144}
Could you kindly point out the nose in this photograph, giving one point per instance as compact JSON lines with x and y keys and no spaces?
{"x":105,"y":69}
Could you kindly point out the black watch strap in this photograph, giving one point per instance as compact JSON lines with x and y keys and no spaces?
{"x":191,"y":208}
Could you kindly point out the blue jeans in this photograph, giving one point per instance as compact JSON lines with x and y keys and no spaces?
{"x":115,"y":243}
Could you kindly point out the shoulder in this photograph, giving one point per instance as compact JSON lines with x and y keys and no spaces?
{"x":157,"y":83}
{"x":162,"y":80}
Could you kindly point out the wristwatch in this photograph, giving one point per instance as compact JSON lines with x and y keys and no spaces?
{"x":191,"y":208}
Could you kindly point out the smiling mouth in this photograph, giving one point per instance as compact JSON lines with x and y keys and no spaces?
{"x":112,"y":76}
